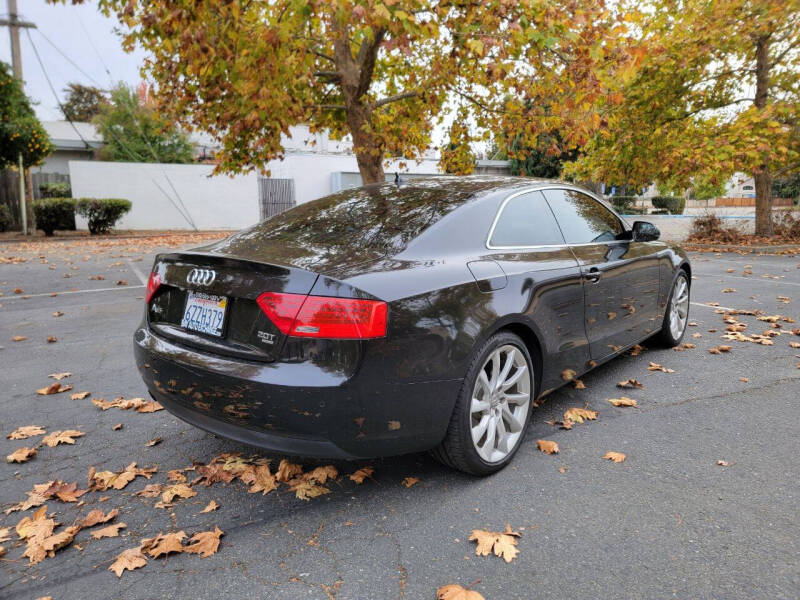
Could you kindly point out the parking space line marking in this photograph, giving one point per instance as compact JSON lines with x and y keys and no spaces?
{"x":138,"y":272}
{"x":111,"y":289}
{"x":753,"y":278}
{"x":709,"y":306}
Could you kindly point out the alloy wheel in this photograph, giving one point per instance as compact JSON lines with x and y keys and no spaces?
{"x":679,"y":308}
{"x":500,"y":403}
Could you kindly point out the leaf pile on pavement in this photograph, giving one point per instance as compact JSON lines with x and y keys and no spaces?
{"x":138,"y":404}
{"x":204,"y":543}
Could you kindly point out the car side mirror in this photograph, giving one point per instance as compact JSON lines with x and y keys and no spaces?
{"x":645,"y":232}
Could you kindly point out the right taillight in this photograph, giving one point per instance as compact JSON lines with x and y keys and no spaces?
{"x":325,"y":317}
{"x":153,"y":283}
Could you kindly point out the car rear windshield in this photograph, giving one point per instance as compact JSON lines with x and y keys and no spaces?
{"x":352,"y":226}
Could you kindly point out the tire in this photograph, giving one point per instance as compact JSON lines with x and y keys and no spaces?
{"x":669,"y":336}
{"x":477,"y":404}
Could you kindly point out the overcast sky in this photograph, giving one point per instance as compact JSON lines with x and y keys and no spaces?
{"x":76,"y":31}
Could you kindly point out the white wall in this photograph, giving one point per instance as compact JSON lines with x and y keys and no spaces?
{"x":218,"y":202}
{"x":316,"y":175}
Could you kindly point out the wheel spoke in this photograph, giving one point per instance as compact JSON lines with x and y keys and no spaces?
{"x":514,"y":378}
{"x":491,"y":434}
{"x":502,"y":435}
{"x":520,"y":398}
{"x":510,"y":356}
{"x":483,"y":379}
{"x":479,"y":406}
{"x":514,"y":425}
{"x":495,"y":370}
{"x":479,"y":429}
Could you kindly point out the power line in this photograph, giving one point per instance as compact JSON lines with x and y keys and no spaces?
{"x":68,"y":59}
{"x":53,"y":89}
{"x":91,"y":43}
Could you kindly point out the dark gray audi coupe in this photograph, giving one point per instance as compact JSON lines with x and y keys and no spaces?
{"x":421,"y":315}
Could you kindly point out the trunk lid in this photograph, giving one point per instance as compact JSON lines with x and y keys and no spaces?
{"x":231,"y":286}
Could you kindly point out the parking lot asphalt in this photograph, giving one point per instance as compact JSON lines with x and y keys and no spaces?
{"x":668,"y":522}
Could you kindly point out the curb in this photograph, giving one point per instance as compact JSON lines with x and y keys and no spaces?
{"x":745,"y":249}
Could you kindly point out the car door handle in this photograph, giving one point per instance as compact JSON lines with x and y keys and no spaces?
{"x":593,"y":275}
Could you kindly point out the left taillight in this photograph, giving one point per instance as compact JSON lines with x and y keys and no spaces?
{"x":153,"y":283}
{"x":325,"y":317}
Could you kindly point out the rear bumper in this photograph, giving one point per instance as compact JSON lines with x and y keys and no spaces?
{"x":302,"y":407}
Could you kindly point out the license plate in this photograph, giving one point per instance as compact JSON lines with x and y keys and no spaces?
{"x":204,"y":313}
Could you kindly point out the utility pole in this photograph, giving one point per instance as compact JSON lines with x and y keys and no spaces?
{"x":14,"y":25}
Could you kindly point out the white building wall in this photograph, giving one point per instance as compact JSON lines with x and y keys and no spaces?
{"x":213,"y":202}
{"x":217,"y":202}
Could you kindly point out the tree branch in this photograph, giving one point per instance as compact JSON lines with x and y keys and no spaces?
{"x":390,"y":99}
{"x":367,"y":55}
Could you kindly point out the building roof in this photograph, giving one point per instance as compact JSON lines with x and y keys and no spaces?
{"x":73,"y":136}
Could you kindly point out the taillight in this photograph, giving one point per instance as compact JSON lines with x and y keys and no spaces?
{"x":324,"y":317}
{"x":153,"y":283}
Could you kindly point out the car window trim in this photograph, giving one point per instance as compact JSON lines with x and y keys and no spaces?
{"x":539,"y":188}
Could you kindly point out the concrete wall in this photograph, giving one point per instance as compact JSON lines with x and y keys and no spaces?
{"x":58,"y":161}
{"x":218,"y":202}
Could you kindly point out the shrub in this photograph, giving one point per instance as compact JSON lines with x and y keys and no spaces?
{"x":709,"y":229}
{"x":5,"y":217}
{"x":673,"y":204}
{"x":54,"y":213}
{"x":102,"y":213}
{"x":623,"y":204}
{"x":55,"y":190}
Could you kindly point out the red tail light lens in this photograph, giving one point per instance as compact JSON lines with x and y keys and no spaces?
{"x":153,"y":283}
{"x":324,"y":317}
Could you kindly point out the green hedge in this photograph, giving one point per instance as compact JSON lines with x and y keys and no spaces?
{"x":55,"y":190}
{"x":673,"y":204}
{"x":5,"y":217}
{"x":102,"y":213}
{"x":54,"y":213}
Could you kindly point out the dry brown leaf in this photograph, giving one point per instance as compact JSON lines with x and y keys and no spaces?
{"x":80,"y":395}
{"x":287,"y":470}
{"x":322,"y":474}
{"x":630,"y":383}
{"x":66,"y":492}
{"x":26,"y":431}
{"x":5,"y":534}
{"x":362,"y":474}
{"x":122,"y":282}
{"x":393,"y":425}
{"x":53,"y":388}
{"x":67,"y":436}
{"x":502,"y":543}
{"x":108,"y":531}
{"x":623,"y":401}
{"x":794,"y":344}
{"x":60,"y":376}
{"x":579,"y":385}
{"x":568,"y":374}
{"x":211,"y":506}
{"x":116,"y":427}
{"x":149,"y":406}
{"x":657,"y":367}
{"x":179,"y":490}
{"x":723,"y":463}
{"x":260,"y":479}
{"x":547,"y":446}
{"x":577,"y":414}
{"x":103,"y":480}
{"x":728,"y":290}
{"x":151,"y":490}
{"x":637,"y":350}
{"x":154,"y":441}
{"x":19,"y":338}
{"x":456,"y":592}
{"x":161,"y":545}
{"x":96,"y":517}
{"x":21,"y":455}
{"x":306,"y":489}
{"x":743,"y":379}
{"x":616,"y":457}
{"x":204,"y":543}
{"x":409,"y":481}
{"x":58,"y":313}
{"x":130,"y":559}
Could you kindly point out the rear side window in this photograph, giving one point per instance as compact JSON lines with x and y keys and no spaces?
{"x":583,"y":219}
{"x":526,"y":220}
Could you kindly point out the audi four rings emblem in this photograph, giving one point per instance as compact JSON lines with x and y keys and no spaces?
{"x":201,"y":276}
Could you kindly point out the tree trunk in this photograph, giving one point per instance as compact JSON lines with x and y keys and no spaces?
{"x":762,"y":177}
